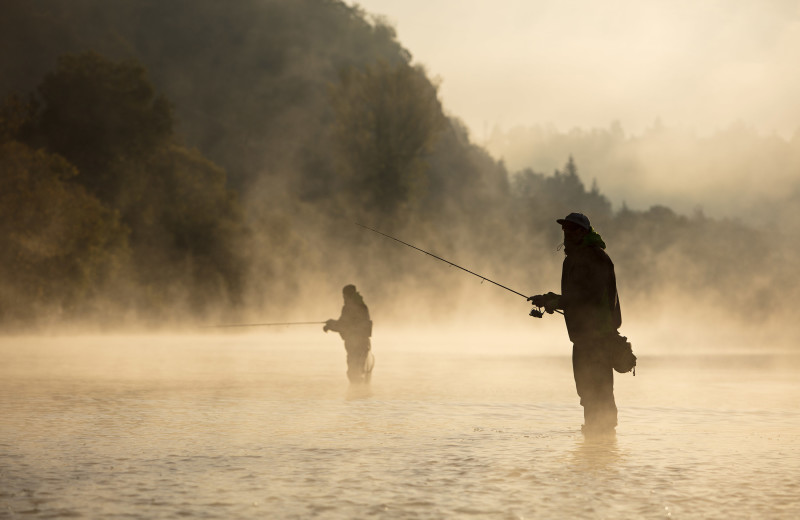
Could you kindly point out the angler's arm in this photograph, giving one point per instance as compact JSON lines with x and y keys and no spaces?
{"x":331,"y":325}
{"x":348,"y":320}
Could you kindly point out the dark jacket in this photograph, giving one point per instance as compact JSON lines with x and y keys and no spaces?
{"x":589,"y":294}
{"x":354,"y":323}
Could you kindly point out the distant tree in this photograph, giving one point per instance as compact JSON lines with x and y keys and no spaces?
{"x":541,"y":198}
{"x":566,"y":187}
{"x":203,"y":224}
{"x":102,"y":116}
{"x":386,"y":120}
{"x":60,"y":248}
{"x":463,"y":174}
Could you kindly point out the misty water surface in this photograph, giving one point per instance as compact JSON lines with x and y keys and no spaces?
{"x":264,"y":425}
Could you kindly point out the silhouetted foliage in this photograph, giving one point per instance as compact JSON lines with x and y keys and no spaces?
{"x":672,"y":166}
{"x":299,"y":117}
{"x":102,"y":123}
{"x":386,"y":120}
{"x":60,"y":248}
{"x":101,"y":116}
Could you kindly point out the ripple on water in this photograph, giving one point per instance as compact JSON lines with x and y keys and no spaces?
{"x":86,"y":445}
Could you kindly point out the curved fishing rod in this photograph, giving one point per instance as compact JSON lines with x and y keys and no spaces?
{"x":534,"y":313}
{"x":443,"y":260}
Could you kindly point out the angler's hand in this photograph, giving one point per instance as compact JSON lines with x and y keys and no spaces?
{"x":538,"y":300}
{"x":549,"y":301}
{"x":327,"y":326}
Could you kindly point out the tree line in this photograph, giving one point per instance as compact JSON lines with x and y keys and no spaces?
{"x":147,"y":173}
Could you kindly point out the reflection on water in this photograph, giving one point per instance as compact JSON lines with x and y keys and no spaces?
{"x":260,"y":426}
{"x":358,"y":391}
{"x":596,"y":454}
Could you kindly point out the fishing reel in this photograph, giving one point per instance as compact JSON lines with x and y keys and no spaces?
{"x":537,"y":311}
{"x":543,"y":303}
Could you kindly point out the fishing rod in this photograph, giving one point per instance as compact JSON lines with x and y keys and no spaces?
{"x":269,"y":324}
{"x":534,"y":312}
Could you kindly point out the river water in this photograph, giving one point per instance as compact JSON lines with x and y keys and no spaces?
{"x":264,"y":425}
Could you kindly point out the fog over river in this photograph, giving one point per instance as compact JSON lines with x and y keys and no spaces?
{"x":262,"y":424}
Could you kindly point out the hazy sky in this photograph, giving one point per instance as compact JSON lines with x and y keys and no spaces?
{"x":701,"y":64}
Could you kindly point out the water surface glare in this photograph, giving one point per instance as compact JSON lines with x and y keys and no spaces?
{"x":264,"y":425}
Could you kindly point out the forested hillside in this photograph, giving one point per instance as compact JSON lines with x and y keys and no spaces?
{"x":195,"y":160}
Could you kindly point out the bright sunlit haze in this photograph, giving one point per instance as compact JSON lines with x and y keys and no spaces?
{"x":305,"y":259}
{"x":585,"y":64}
{"x":688,"y":104}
